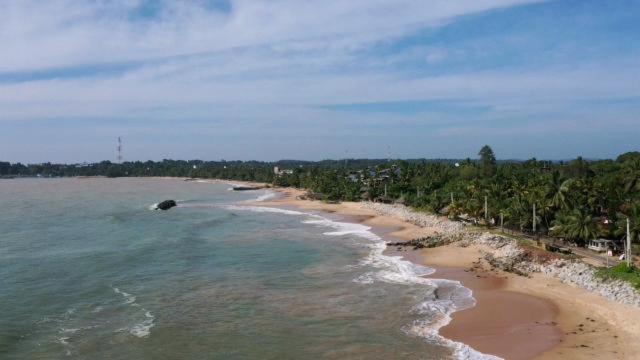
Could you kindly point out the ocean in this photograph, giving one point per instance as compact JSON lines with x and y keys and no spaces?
{"x":89,"y":271}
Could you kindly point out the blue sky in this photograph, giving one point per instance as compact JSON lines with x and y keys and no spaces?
{"x":267,"y":80}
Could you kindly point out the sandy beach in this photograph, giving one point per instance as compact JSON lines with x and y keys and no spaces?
{"x":515,"y":317}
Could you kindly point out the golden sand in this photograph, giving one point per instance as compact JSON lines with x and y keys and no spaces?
{"x":515,"y":317}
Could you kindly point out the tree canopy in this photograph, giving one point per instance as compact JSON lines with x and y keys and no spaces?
{"x":487,"y":161}
{"x":578,"y":199}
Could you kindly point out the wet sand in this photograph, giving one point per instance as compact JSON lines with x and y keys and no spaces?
{"x":515,"y":317}
{"x":526,"y":324}
{"x":591,"y":326}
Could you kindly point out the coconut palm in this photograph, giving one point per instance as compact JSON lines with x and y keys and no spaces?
{"x":559,"y":188}
{"x":520,"y":213}
{"x":577,"y":224}
{"x":455,"y":209}
{"x":631,"y":176}
{"x":633,"y":214}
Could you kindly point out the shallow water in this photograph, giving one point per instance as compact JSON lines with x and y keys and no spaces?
{"x":88,"y":271}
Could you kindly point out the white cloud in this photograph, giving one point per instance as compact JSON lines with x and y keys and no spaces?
{"x":274,"y":65}
{"x":200,"y":90}
{"x":260,"y":54}
{"x":62,"y":33}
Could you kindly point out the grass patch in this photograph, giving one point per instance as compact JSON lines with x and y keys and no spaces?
{"x":621,"y":272}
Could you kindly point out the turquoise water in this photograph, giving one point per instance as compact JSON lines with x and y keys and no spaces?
{"x":89,"y":272}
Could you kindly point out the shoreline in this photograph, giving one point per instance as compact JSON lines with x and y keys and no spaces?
{"x":515,"y":317}
{"x":569,"y":322}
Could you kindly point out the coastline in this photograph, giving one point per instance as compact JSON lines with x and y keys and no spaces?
{"x":515,"y":317}
{"x":566,"y":322}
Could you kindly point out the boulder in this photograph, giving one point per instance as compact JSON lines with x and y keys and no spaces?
{"x":166,"y":205}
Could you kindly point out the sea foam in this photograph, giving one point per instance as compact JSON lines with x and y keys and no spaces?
{"x":436,"y":309}
{"x":143,"y":328}
{"x":268,"y":194}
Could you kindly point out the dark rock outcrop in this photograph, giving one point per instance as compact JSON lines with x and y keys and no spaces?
{"x":508,"y":264}
{"x":247,"y":188}
{"x":166,"y":205}
{"x":428,"y":242}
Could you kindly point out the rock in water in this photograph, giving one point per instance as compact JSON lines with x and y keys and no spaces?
{"x":245,"y":188}
{"x":166,"y":205}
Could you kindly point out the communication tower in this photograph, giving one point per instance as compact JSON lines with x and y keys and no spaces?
{"x":119,"y":149}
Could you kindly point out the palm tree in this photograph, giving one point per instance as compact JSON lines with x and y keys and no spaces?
{"x":455,"y":209}
{"x":537,"y":194}
{"x":559,"y":188}
{"x":473,"y":200}
{"x":520,"y":213}
{"x":633,"y":214}
{"x":497,"y":201}
{"x":631,"y":176}
{"x":577,"y":224}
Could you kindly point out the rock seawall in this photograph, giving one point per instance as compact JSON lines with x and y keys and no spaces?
{"x":504,"y":253}
{"x":416,"y":218}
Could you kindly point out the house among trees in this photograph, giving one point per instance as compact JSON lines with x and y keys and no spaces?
{"x":279,"y":172}
{"x":603,"y":245}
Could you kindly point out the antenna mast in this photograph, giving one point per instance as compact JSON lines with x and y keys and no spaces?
{"x":119,"y":149}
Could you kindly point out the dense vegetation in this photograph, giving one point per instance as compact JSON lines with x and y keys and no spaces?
{"x":577,"y":200}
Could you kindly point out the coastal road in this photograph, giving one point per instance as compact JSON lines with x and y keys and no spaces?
{"x":596,"y":258}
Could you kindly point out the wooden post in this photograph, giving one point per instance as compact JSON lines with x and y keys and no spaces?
{"x":452,"y":198}
{"x":385,"y":190}
{"x":501,"y":221}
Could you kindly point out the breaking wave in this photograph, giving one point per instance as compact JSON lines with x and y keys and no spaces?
{"x":444,"y":298}
{"x":143,"y":328}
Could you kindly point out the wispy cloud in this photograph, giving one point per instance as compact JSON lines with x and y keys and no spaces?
{"x":293,"y":67}
{"x":63,"y":33}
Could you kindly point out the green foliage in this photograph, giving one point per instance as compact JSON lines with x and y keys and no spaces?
{"x":487,"y":161}
{"x":576,"y":224}
{"x":621,"y":272}
{"x":633,"y":213}
{"x":572,"y":199}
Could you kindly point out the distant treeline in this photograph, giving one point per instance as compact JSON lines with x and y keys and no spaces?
{"x":235,"y":170}
{"x":578,"y":199}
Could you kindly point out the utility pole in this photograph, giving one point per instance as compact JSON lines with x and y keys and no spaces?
{"x":534,"y":218}
{"x":628,"y":244}
{"x":119,"y":150}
